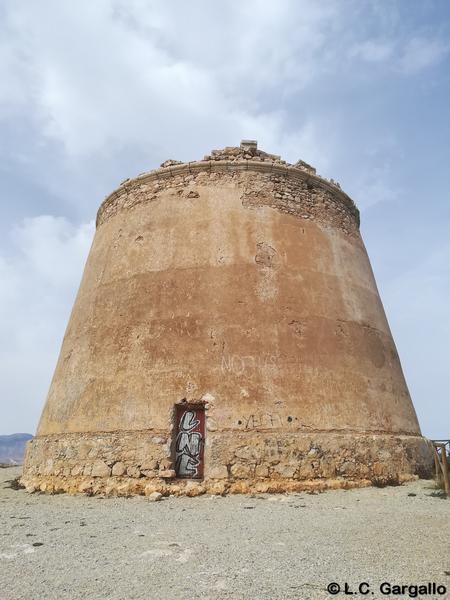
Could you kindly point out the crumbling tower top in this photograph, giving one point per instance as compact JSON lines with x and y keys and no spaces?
{"x":233,"y":159}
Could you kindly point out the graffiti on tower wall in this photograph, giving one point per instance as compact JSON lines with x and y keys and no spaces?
{"x":189,"y":443}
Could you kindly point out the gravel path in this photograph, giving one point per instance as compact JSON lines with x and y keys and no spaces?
{"x":240,"y":547}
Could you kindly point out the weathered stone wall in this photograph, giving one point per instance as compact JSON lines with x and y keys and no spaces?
{"x":141,"y":462}
{"x":287,"y":189}
{"x":242,"y":283}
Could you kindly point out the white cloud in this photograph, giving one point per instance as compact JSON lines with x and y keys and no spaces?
{"x":372,"y":50}
{"x":406,"y":56}
{"x":118,"y":74}
{"x":419,"y":53}
{"x":93,"y":92}
{"x":39,"y":279}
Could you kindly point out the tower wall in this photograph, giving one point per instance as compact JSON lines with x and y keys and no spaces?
{"x":241,"y":286}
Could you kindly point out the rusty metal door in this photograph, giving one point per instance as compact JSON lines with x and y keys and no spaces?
{"x":190,"y":441}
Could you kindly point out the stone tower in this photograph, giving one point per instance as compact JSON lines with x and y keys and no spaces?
{"x":227,"y":335}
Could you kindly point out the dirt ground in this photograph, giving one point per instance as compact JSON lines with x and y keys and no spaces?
{"x":240,"y":547}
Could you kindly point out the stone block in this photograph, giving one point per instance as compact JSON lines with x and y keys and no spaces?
{"x":287,"y":471}
{"x":167,"y":474}
{"x":100,"y":469}
{"x":133,"y":472}
{"x":241,"y":471}
{"x":149,"y":465}
{"x":219,"y":472}
{"x":118,"y":469}
{"x":262,"y":471}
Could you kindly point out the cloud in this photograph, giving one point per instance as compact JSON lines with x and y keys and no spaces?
{"x":405,"y":56}
{"x":94,"y":92}
{"x":120,"y":74}
{"x":39,"y":278}
{"x":372,"y":50}
{"x":421,"y":53}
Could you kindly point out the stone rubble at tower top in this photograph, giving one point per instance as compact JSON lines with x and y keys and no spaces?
{"x":248,"y":150}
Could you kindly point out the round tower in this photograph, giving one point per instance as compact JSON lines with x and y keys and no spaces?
{"x":227,"y":335}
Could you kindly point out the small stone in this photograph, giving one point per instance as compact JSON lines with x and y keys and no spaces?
{"x":165,"y":463}
{"x":149,"y":465}
{"x":220,"y":472}
{"x":84,"y":487}
{"x":262,"y":471}
{"x":118,"y":469}
{"x":155,"y":496}
{"x":208,"y":399}
{"x":170,"y":162}
{"x":148,"y":472}
{"x":167,"y":474}
{"x":246,"y":452}
{"x":241,"y":471}
{"x":217,"y":489}
{"x":100,"y":469}
{"x":194,"y":488}
{"x":314,"y":451}
{"x":133,"y":472}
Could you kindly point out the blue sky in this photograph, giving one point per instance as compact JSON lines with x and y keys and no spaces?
{"x":94,"y":92}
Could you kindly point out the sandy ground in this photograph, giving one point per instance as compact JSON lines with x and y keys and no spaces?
{"x":280,"y":546}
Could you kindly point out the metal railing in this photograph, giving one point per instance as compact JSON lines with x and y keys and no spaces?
{"x":441,"y":463}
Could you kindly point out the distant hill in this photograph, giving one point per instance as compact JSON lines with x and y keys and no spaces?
{"x":12,"y":448}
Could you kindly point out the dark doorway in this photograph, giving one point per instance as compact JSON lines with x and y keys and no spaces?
{"x":189,"y":441}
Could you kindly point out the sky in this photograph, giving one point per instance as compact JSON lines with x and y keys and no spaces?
{"x":94,"y":92}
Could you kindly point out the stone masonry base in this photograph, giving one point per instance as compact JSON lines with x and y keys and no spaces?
{"x":140,"y":462}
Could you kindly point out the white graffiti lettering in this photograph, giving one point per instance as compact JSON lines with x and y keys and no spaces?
{"x":188,"y":445}
{"x":237,"y":364}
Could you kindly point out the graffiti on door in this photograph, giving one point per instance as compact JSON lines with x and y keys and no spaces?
{"x":189,"y":442}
